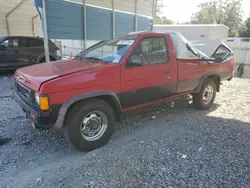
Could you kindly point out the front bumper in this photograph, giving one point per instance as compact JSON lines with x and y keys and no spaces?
{"x":39,"y":118}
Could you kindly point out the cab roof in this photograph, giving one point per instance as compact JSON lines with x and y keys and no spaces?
{"x":138,"y":33}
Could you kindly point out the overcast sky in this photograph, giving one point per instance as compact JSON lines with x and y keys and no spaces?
{"x":181,"y":10}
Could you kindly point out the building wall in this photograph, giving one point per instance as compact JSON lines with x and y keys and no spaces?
{"x":72,"y":47}
{"x":145,"y":7}
{"x":144,"y":23}
{"x":3,"y":30}
{"x":125,"y":5}
{"x":37,"y":27}
{"x":124,"y":23}
{"x":66,"y":18}
{"x":100,"y":3}
{"x":99,"y":23}
{"x":20,"y":19}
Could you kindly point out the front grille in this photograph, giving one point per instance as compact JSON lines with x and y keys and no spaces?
{"x":23,"y":91}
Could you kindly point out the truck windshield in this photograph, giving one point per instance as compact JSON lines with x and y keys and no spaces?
{"x":111,"y":51}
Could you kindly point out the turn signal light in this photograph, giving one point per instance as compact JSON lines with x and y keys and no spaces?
{"x":233,"y":60}
{"x":44,"y":103}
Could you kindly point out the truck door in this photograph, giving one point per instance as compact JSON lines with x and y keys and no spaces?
{"x":155,"y":76}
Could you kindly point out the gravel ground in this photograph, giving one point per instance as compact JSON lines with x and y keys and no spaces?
{"x":161,"y":146}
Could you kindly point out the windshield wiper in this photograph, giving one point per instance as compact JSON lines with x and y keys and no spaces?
{"x":78,"y":57}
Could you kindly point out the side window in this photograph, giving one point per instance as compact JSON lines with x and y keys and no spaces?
{"x":12,"y":43}
{"x":5,"y":43}
{"x":152,"y":50}
{"x":23,"y":43}
{"x":159,"y":46}
{"x":36,"y":43}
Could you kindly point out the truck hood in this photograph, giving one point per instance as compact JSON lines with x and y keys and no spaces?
{"x":33,"y":76}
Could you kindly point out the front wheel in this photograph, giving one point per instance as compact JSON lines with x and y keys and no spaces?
{"x":89,"y":124}
{"x":205,"y":98}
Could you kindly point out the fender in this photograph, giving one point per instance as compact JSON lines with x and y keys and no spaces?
{"x":203,"y":78}
{"x":63,"y":110}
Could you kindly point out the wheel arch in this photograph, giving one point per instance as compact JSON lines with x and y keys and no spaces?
{"x":43,"y":56}
{"x":217,"y":80}
{"x":109,"y":96}
{"x":214,"y":76}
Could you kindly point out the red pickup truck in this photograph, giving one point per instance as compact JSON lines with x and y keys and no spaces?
{"x":87,"y":94}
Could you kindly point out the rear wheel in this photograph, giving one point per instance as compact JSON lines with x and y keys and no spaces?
{"x":89,"y":124}
{"x":205,"y":98}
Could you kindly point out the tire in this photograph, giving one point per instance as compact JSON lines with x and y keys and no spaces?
{"x":42,"y":60}
{"x":80,"y":113}
{"x":199,"y":98}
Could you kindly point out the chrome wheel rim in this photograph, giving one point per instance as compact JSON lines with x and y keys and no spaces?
{"x":208,"y":94}
{"x":93,"y":125}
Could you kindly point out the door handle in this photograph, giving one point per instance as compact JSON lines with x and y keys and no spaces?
{"x":167,"y":74}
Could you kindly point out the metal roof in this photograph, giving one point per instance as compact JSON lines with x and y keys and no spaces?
{"x":19,"y":17}
{"x":191,"y":25}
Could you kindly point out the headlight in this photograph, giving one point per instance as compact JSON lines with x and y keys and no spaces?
{"x":37,"y":98}
{"x":42,"y":101}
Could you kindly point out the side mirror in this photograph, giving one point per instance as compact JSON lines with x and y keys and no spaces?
{"x":135,"y":60}
{"x":2,"y":47}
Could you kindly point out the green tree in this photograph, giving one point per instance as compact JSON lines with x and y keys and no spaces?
{"x":227,"y":12}
{"x":163,"y":20}
{"x":158,"y":18}
{"x":158,"y":8}
{"x":245,"y":31}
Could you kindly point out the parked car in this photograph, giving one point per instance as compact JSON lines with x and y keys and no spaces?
{"x":19,"y":51}
{"x":85,"y":96}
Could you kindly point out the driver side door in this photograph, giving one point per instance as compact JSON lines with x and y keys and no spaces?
{"x":154,"y":79}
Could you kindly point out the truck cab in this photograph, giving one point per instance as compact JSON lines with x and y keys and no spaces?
{"x":85,"y":96}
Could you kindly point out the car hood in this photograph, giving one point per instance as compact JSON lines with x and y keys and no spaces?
{"x":33,"y":76}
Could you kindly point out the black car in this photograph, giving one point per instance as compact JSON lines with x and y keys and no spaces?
{"x":19,"y":51}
